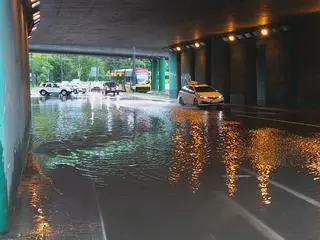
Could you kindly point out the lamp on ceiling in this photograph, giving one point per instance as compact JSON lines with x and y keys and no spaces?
{"x":231,"y":38}
{"x":35,"y":3}
{"x":264,"y":32}
{"x":197,"y":45}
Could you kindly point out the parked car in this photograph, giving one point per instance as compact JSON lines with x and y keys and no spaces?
{"x":110,"y":87}
{"x":200,"y":95}
{"x":77,"y":87}
{"x":48,"y":88}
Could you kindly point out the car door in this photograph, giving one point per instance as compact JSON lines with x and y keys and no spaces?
{"x":55,"y":88}
{"x":189,"y":95}
{"x":184,"y":94}
{"x":49,"y":88}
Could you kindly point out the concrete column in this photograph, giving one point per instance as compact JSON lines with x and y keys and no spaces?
{"x":290,"y":68}
{"x":208,"y":58}
{"x":192,"y":64}
{"x":220,"y":67}
{"x":307,"y":59}
{"x":261,"y":62}
{"x":200,"y":65}
{"x":250,"y":72}
{"x":155,"y":75}
{"x":237,"y":70}
{"x":162,"y":74}
{"x":187,"y":66}
{"x":174,"y":74}
{"x":243,"y":72}
{"x":280,"y":75}
{"x":14,"y":102}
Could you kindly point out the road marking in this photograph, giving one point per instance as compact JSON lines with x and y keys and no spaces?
{"x":239,"y":176}
{"x":289,"y":190}
{"x":265,"y":230}
{"x":278,"y":120}
{"x":104,"y":234}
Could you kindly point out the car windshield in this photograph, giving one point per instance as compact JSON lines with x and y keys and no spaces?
{"x":110,"y":84}
{"x":205,"y":89}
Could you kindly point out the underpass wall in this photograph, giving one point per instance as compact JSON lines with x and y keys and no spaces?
{"x":220,"y":67}
{"x":279,"y":70}
{"x":307,"y":65}
{"x":14,"y":102}
{"x":200,"y":65}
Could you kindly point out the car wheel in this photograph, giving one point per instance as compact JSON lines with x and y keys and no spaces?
{"x":114,"y":94}
{"x":64,"y":93}
{"x":117,"y":93}
{"x":75,"y":91}
{"x":195,"y":102}
{"x":181,"y":102}
{"x":43,"y":93}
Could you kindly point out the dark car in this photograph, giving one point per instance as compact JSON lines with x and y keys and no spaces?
{"x":110,"y":87}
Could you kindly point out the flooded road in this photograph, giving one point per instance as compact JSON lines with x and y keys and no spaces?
{"x":121,"y":168}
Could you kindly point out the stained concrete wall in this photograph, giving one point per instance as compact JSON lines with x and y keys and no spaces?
{"x":220,"y":67}
{"x":187,"y":66}
{"x":14,"y":103}
{"x":200,"y":65}
{"x":274,"y":72}
{"x":307,"y":65}
{"x":237,"y":74}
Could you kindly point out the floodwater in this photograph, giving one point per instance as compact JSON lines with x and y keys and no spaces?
{"x":122,"y":168}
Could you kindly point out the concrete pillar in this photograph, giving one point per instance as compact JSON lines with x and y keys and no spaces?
{"x":208,"y":58}
{"x":250,"y":72}
{"x":280,"y":75}
{"x":187,"y":66}
{"x":155,"y":75}
{"x":200,"y":65}
{"x":174,"y":74}
{"x":220,"y":67}
{"x":243,"y":72}
{"x":162,"y":74}
{"x":307,"y":59}
{"x":237,"y":69}
{"x":14,"y":102}
{"x":192,"y":64}
{"x":290,"y":68}
{"x":261,"y":62}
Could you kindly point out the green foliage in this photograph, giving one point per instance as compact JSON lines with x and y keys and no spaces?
{"x":58,"y":67}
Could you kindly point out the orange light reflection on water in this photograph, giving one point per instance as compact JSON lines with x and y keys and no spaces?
{"x":33,"y":182}
{"x":188,"y":147}
{"x":233,"y":151}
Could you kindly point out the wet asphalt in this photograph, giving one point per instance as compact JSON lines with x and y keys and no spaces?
{"x":124,"y":168}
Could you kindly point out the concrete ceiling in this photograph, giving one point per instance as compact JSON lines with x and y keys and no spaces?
{"x":154,"y":24}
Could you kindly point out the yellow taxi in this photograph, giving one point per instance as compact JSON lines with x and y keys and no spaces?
{"x":200,"y":95}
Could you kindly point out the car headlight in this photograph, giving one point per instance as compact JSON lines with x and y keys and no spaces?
{"x":220,"y":97}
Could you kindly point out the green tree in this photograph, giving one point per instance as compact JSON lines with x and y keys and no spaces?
{"x":56,"y":67}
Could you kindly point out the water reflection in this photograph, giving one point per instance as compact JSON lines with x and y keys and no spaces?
{"x":310,"y":149}
{"x":265,"y":157}
{"x":188,"y":157}
{"x":233,"y":151}
{"x":101,"y":140}
{"x":34,"y":184}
